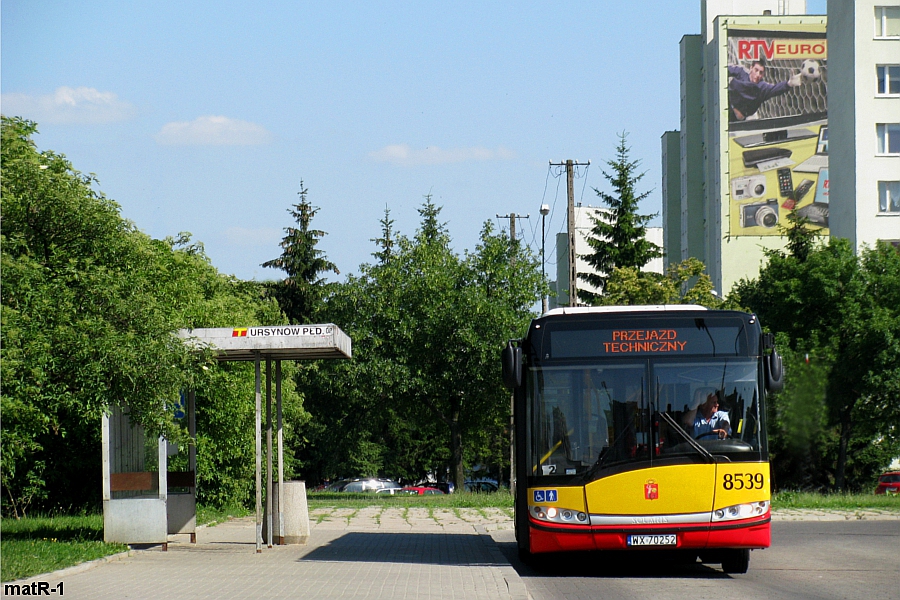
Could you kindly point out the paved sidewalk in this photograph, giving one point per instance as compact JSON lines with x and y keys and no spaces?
{"x":370,"y":553}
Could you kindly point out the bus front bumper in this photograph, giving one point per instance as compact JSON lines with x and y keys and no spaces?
{"x":749,"y":533}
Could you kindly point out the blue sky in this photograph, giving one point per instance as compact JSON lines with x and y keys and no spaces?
{"x":204,"y":117}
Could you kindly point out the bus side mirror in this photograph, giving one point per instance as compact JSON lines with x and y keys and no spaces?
{"x":511,"y":358}
{"x":774,"y":372}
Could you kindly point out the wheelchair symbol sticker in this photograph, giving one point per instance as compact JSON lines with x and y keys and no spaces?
{"x":545,"y":496}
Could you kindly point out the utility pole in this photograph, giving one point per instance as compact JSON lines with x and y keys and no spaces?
{"x":570,"y":189}
{"x":512,"y":399}
{"x":512,"y":230}
{"x":545,"y":210}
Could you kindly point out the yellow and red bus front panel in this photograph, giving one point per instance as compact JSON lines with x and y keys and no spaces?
{"x":698,"y":506}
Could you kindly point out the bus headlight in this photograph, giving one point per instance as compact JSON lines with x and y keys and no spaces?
{"x":558,"y":515}
{"x":740,"y":511}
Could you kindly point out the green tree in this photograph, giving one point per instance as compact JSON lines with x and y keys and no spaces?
{"x":840,"y":310}
{"x":618,"y":236}
{"x":89,"y":307}
{"x":385,"y":243}
{"x":423,"y":390}
{"x":74,"y":281}
{"x":630,"y":286}
{"x":300,"y":293}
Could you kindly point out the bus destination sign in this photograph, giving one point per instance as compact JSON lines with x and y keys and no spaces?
{"x":694,"y":339}
{"x":644,"y":340}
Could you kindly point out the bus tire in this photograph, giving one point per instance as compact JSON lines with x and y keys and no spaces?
{"x":523,"y":543}
{"x":736,"y":561}
{"x":526,"y":556}
{"x":685,"y":557}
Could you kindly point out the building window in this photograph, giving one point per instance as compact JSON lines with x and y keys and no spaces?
{"x":888,"y":80}
{"x":888,"y":138}
{"x":889,"y":197}
{"x":887,"y":21}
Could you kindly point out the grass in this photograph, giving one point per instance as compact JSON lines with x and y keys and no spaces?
{"x":41,"y":544}
{"x":212,"y":516}
{"x":816,"y":501}
{"x":36,"y":545}
{"x":448,"y":501}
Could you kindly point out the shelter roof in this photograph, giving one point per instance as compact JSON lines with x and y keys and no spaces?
{"x":284,"y":342}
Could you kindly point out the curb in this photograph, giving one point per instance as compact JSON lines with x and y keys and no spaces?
{"x":79,"y":568}
{"x":514,"y":584}
{"x":85,"y":566}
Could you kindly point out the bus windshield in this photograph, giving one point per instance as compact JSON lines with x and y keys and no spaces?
{"x":592,"y":419}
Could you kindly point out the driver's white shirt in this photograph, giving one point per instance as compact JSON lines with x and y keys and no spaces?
{"x":718,"y":420}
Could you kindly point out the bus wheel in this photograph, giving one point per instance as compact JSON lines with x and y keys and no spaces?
{"x":526,"y":556}
{"x":736,"y":561}
{"x":523,"y":542}
{"x":685,"y":557}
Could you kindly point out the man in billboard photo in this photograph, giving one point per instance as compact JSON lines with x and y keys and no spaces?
{"x":747,"y":90}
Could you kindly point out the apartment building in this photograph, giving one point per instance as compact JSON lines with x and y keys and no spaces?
{"x":864,"y":82}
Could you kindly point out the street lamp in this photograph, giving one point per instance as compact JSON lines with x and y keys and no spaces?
{"x":545,"y":210}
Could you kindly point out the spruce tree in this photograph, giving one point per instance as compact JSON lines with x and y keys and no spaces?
{"x":387,"y":240}
{"x":300,"y":292}
{"x":618,"y":236}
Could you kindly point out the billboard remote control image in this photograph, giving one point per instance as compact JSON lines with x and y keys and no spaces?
{"x":802,"y":189}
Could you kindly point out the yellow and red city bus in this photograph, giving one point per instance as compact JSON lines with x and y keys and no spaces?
{"x":619,"y":443}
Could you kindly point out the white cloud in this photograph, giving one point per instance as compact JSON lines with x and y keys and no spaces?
{"x":212,"y":131}
{"x":82,"y":105}
{"x":402,"y":154}
{"x":264,"y":236}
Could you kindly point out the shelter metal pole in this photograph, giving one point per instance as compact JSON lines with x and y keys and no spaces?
{"x":269,"y":490}
{"x":258,"y":458}
{"x":280,"y":454}
{"x":104,"y":437}
{"x":192,"y":451}
{"x":163,"y":474}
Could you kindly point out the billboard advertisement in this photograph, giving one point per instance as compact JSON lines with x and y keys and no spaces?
{"x":777,"y":127}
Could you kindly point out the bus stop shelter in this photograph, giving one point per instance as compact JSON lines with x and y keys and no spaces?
{"x":137,"y":505}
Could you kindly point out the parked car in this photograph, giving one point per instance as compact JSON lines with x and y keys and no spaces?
{"x":365,"y":484}
{"x":421,"y":490}
{"x":482,"y":485}
{"x":889,"y":483}
{"x":445,"y":486}
{"x":337,"y":486}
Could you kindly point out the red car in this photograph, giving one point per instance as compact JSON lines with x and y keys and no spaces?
{"x":889,"y":483}
{"x":418,"y":490}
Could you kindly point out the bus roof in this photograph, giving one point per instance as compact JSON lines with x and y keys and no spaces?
{"x":587,"y":310}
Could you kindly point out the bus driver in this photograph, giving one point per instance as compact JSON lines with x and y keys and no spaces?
{"x":706,"y":418}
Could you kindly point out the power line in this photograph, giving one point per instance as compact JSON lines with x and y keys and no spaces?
{"x":553,"y":209}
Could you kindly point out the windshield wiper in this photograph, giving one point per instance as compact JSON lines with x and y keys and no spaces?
{"x":690,"y":440}
{"x":605,"y":453}
{"x":596,"y":468}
